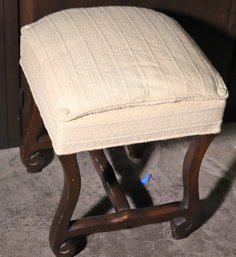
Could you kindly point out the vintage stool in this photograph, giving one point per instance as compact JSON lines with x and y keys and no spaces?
{"x":110,"y":76}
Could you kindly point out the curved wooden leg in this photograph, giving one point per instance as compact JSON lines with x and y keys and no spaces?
{"x":109,"y":180}
{"x":182,"y":226}
{"x":36,"y":149}
{"x":60,"y":242}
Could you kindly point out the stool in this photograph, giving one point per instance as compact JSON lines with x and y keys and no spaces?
{"x":110,"y":76}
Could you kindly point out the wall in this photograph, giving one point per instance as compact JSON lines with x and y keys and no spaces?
{"x":9,"y":74}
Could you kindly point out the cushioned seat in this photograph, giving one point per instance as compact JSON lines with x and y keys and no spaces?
{"x":111,"y":76}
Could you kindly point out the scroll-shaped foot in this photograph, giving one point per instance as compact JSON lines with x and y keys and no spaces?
{"x":36,"y":148}
{"x":71,"y":247}
{"x":181,"y":227}
{"x":35,"y":162}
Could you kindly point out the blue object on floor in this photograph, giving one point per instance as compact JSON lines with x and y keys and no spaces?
{"x":145,"y":179}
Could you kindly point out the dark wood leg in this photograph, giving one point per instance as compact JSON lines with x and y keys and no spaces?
{"x":61,"y":243}
{"x":110,"y":183}
{"x":36,"y":149}
{"x":183,"y":215}
{"x":68,"y":237}
{"x":184,"y":225}
{"x":135,"y":151}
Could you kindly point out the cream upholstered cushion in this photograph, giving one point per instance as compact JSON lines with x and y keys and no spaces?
{"x":108,"y":76}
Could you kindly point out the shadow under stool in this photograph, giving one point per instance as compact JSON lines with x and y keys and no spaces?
{"x":111,"y":76}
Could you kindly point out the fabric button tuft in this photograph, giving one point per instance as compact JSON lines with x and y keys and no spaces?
{"x":222,"y":91}
{"x":27,"y":26}
{"x":64,"y":113}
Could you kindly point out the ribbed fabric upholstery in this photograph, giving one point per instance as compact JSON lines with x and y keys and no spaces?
{"x":109,"y":76}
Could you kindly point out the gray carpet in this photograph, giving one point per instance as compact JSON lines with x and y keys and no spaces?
{"x":28,"y":202}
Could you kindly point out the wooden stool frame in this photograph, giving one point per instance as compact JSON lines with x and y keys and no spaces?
{"x":67,"y":237}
